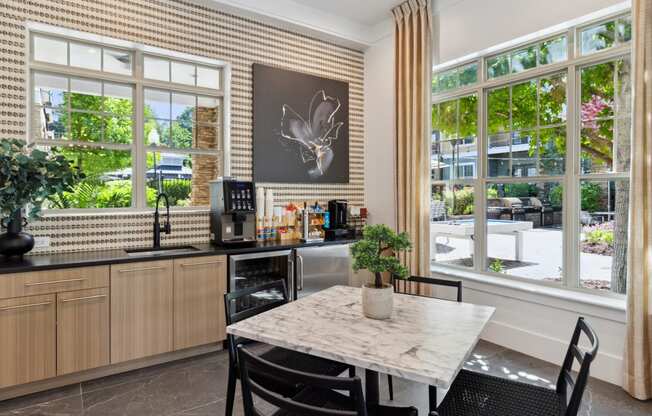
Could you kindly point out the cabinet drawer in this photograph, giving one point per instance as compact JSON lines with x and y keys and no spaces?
{"x":52,"y":281}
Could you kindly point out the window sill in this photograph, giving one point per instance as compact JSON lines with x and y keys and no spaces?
{"x":608,"y":307}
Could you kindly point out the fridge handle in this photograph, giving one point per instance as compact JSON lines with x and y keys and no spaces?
{"x":290,"y":278}
{"x":300,"y":272}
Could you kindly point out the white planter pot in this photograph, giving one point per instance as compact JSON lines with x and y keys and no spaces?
{"x":377,"y":303}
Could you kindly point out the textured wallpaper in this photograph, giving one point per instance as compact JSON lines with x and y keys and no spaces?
{"x":186,"y":27}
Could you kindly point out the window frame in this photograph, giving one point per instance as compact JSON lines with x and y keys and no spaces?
{"x":139,"y":83}
{"x":572,"y":177}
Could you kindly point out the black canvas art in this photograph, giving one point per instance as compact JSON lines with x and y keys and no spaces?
{"x":301,"y":127}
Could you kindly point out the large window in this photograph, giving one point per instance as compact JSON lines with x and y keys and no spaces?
{"x":135,"y":121}
{"x":530,"y":160}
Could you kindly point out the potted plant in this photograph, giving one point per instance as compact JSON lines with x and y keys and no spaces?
{"x":27,"y":176}
{"x":378,"y":252}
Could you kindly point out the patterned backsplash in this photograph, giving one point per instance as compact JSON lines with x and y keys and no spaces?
{"x":195,"y":29}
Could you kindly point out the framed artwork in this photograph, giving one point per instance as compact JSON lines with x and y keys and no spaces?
{"x":301,"y":127}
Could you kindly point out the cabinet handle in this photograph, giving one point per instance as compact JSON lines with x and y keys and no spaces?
{"x":84,"y":298}
{"x":54,"y":282}
{"x":202,"y":264}
{"x":144,"y":269}
{"x":31,"y":305}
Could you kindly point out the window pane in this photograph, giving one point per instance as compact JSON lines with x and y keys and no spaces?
{"x":597,"y":146}
{"x":624,"y":28}
{"x":157,"y":104}
{"x":183,"y":73}
{"x":85,"y":94}
{"x":86,"y":127}
{"x":499,"y":155}
{"x":49,"y":90}
{"x":157,"y":68}
{"x":553,"y":51}
{"x":552,"y":151}
{"x":182,"y":134}
{"x":49,"y":124}
{"x":183,"y":107}
{"x":603,"y":237}
{"x":50,"y":50}
{"x":208,"y":77}
{"x":524,"y":230}
{"x":107,"y":182}
{"x":117,"y":61}
{"x":469,"y":74}
{"x":448,"y":119}
{"x":597,"y":91}
{"x":524,"y":105}
{"x":524,"y":59}
{"x":448,"y":80}
{"x":498,"y":110}
{"x":118,"y":130}
{"x":157,"y":132}
{"x":497,"y":66}
{"x":451,"y":224}
{"x":552,"y":100}
{"x":118,"y":99}
{"x":524,"y":154}
{"x":183,"y":177}
{"x":85,"y":56}
{"x":598,"y":37}
{"x":207,"y":110}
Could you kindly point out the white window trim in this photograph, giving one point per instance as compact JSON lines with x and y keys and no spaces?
{"x":571,"y":178}
{"x":138,"y":81}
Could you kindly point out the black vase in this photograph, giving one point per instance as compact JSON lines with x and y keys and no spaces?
{"x":15,"y":242}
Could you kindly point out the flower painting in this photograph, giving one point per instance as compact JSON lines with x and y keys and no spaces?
{"x":300,"y":128}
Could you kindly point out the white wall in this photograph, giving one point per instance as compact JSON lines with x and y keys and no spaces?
{"x":467,"y":26}
{"x":380,"y":132}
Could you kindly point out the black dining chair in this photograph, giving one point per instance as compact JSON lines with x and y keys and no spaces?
{"x":406,"y":287}
{"x":321,"y":395}
{"x":249,"y":302}
{"x":477,"y":394}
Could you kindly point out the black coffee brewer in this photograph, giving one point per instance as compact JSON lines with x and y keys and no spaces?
{"x":338,"y":228}
{"x":233,"y":211}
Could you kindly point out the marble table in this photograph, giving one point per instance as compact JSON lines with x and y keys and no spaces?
{"x":426,"y":340}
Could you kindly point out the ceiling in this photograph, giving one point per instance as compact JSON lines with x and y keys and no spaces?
{"x":366,"y":12}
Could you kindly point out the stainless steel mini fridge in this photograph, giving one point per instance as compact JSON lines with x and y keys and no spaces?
{"x":319,"y":268}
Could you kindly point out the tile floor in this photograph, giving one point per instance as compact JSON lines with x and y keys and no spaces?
{"x":197,"y":387}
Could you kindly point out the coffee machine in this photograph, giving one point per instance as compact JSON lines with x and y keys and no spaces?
{"x":233,"y":211}
{"x":337,"y":227}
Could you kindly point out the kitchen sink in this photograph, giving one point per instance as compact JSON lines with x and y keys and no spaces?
{"x":162,"y":251}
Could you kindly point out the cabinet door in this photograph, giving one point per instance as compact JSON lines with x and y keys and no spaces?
{"x":27,"y":339}
{"x":141,"y":309}
{"x":199,"y":287}
{"x":82,"y":330}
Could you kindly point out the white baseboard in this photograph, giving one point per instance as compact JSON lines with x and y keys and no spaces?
{"x":606,"y":367}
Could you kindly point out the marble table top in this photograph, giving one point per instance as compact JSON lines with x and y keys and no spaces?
{"x":426,"y":340}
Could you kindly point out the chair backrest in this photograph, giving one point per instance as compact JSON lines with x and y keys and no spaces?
{"x":405,"y":286}
{"x":566,"y":379}
{"x":251,"y":364}
{"x":245,"y":303}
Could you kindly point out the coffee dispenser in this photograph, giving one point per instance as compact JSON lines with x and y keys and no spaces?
{"x":338,"y":228}
{"x":233,"y":211}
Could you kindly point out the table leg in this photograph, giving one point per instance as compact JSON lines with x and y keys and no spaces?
{"x":519,"y":245}
{"x":371,"y":386}
{"x":432,"y":398}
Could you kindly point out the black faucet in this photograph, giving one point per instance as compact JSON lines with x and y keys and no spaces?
{"x":157,"y":225}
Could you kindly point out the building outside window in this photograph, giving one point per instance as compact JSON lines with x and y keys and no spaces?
{"x":135,"y":121}
{"x":530,"y":159}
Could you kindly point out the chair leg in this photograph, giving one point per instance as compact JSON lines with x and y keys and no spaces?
{"x":390,"y":384}
{"x":432,"y":398}
{"x":230,"y":392}
{"x":351,"y":371}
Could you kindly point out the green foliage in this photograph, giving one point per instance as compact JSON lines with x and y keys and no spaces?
{"x":520,"y":190}
{"x":178,"y":191}
{"x":599,"y":236}
{"x":369,"y":253}
{"x":556,"y":195}
{"x":459,"y":201}
{"x":592,"y":195}
{"x":496,"y":266}
{"x":30,"y":176}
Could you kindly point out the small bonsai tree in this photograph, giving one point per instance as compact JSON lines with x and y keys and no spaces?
{"x":378,"y":252}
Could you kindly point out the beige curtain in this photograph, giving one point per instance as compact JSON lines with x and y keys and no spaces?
{"x":413,"y":48}
{"x":638,"y":347}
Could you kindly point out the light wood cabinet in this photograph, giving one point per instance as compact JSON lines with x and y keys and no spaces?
{"x":27,"y":339}
{"x":82,"y":330}
{"x":199,"y":287}
{"x":15,"y":285}
{"x":141,"y":309}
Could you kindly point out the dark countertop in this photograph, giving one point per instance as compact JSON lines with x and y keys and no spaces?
{"x":103,"y":257}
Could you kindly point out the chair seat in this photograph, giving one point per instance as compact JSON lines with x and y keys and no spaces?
{"x":477,"y":394}
{"x":329,"y":399}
